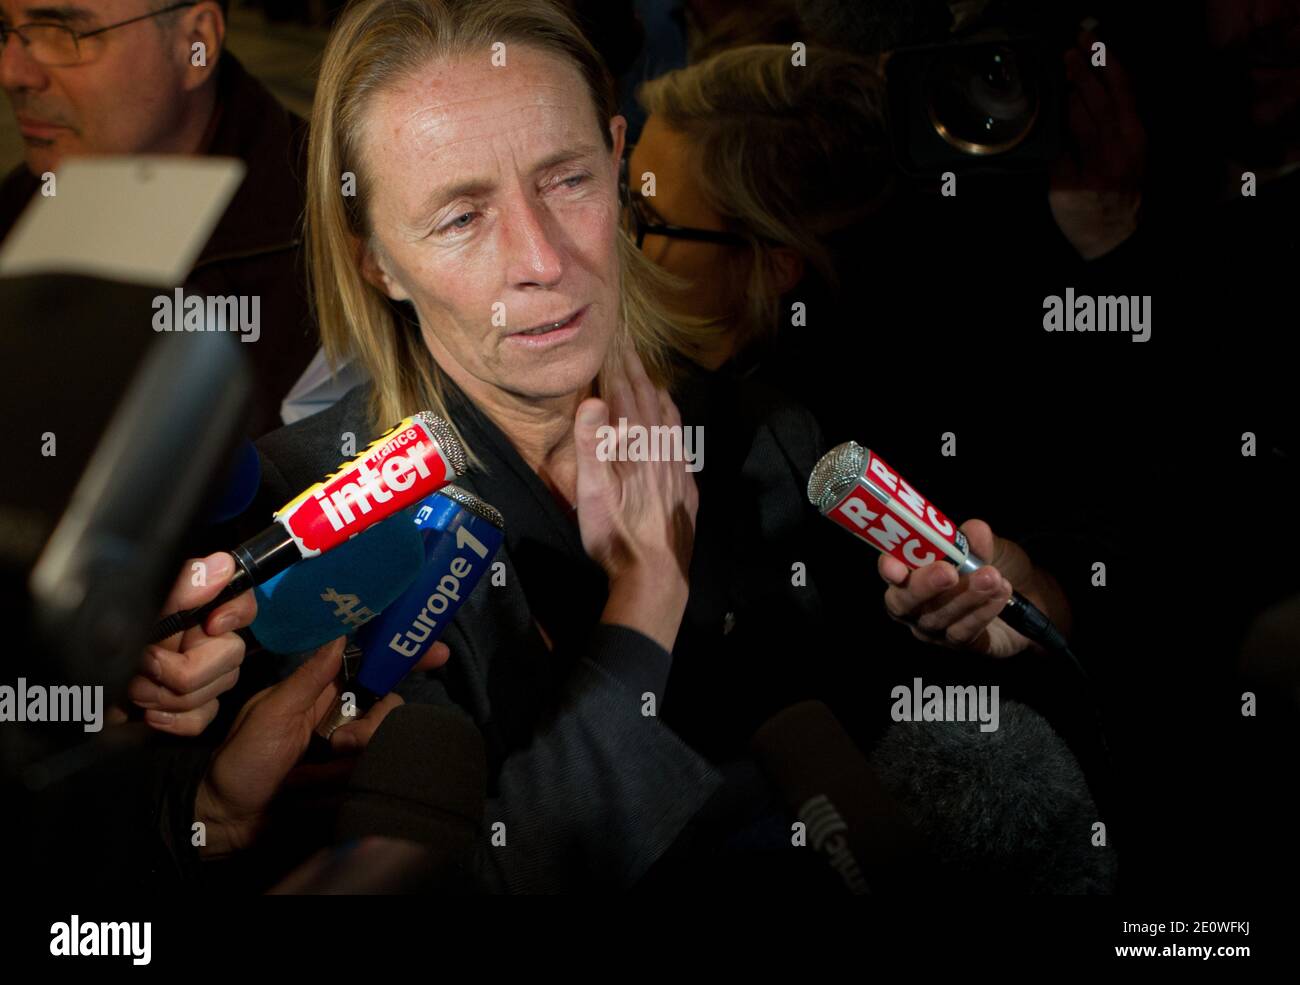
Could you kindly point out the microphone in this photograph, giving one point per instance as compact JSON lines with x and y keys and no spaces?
{"x":411,"y":817}
{"x":1008,"y":809}
{"x":403,"y":465}
{"x":851,"y":820}
{"x":855,"y":488}
{"x":325,"y":597}
{"x":460,"y":535}
{"x":940,"y":804}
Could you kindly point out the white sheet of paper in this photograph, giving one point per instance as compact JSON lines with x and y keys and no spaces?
{"x":141,"y":220}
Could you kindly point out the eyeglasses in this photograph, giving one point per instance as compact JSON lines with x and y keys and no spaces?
{"x":640,"y":223}
{"x":56,"y":46}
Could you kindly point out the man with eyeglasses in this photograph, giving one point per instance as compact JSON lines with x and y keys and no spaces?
{"x":94,"y":77}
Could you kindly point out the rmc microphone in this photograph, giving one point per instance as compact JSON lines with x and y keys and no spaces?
{"x":416,"y":457}
{"x":854,"y":487}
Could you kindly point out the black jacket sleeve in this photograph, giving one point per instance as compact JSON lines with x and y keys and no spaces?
{"x":600,"y":788}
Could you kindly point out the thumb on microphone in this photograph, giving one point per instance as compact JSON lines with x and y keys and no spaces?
{"x":983,"y":543}
{"x":355,"y":736}
{"x":313,"y":685}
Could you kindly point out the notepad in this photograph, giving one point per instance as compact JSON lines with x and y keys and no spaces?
{"x":140,"y":220}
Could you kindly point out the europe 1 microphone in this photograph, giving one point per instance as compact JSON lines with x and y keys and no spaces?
{"x":416,"y":457}
{"x":461,"y":535}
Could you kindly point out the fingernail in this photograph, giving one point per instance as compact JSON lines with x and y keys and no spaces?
{"x":220,"y":565}
{"x":224,"y":624}
{"x":159,"y":717}
{"x":345,"y":741}
{"x":146,"y":703}
{"x":155,"y":667}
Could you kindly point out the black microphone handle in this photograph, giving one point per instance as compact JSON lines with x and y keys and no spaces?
{"x":1025,"y":617}
{"x":256,"y":560}
{"x":1028,"y":619}
{"x":1019,"y":613}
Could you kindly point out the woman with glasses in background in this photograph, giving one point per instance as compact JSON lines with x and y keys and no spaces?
{"x":747,"y":169}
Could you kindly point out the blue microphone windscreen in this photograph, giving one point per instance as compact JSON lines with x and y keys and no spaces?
{"x":335,"y":593}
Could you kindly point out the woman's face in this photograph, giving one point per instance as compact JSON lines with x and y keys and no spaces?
{"x":714,"y":290}
{"x":494,"y":210}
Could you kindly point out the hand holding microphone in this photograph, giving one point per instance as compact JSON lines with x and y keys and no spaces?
{"x":269,"y":738}
{"x":194,"y":654}
{"x":416,"y":457}
{"x":941,"y":606}
{"x":457,"y":536}
{"x":996,"y":607}
{"x":182,"y":676}
{"x":969,"y":602}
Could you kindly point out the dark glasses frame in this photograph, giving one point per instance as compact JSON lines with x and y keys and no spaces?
{"x":76,"y":36}
{"x":644,"y":224}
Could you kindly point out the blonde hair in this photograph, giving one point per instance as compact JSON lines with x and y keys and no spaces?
{"x":374,"y":46}
{"x":786,"y":154}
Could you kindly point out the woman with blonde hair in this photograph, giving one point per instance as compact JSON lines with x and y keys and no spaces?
{"x":466,"y":246}
{"x":781,"y":155}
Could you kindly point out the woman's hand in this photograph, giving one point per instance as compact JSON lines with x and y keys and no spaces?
{"x":271,"y":735}
{"x":637,"y":518}
{"x":942,"y":608}
{"x":182,"y":677}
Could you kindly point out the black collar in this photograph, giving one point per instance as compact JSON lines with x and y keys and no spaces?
{"x":565,"y":589}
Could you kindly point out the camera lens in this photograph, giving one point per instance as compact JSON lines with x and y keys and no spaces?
{"x":984,"y":99}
